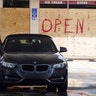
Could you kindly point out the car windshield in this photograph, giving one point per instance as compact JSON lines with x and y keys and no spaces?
{"x":25,"y":44}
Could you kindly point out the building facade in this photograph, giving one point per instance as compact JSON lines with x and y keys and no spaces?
{"x":71,"y":23}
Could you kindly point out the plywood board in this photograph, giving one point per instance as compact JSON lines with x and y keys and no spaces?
{"x":74,"y":29}
{"x":14,"y":21}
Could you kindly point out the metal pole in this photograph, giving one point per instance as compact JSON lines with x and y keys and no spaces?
{"x":67,"y":4}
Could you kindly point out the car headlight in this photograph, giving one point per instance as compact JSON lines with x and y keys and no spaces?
{"x":60,"y":65}
{"x":8,"y":65}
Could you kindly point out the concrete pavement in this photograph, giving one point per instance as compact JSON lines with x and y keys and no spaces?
{"x":84,"y":66}
{"x":82,"y":76}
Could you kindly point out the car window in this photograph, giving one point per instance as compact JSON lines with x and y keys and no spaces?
{"x":30,"y":44}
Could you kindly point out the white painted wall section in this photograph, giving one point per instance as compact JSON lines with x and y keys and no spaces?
{"x":34,"y":16}
{"x":1,"y":3}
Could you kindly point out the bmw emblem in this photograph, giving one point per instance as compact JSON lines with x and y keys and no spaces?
{"x":35,"y":62}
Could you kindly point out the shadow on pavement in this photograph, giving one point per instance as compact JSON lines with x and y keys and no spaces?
{"x":34,"y":91}
{"x":24,"y":93}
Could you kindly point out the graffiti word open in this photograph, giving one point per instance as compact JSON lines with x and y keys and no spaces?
{"x":50,"y":25}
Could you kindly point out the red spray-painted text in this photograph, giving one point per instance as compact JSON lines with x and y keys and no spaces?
{"x":53,"y":25}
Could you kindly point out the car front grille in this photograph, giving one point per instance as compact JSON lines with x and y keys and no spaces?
{"x":38,"y":68}
{"x":28,"y":67}
{"x":42,"y":68}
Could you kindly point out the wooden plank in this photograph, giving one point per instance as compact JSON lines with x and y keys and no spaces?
{"x":15,"y":20}
{"x":74,"y":29}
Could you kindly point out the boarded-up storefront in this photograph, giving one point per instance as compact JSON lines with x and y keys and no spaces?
{"x":69,"y":25}
{"x":72,"y":28}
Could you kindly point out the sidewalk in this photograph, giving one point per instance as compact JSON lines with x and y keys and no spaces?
{"x":81,"y":74}
{"x":83,"y":66}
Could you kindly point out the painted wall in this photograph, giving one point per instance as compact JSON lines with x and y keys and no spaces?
{"x":72,"y":28}
{"x":34,"y":16}
{"x":1,"y":3}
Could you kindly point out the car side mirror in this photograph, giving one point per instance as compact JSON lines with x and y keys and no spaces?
{"x":63,"y":49}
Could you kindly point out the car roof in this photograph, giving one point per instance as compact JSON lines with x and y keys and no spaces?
{"x":28,"y":35}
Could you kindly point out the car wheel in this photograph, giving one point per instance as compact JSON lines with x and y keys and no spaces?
{"x":3,"y":87}
{"x":51,"y":88}
{"x":62,"y":88}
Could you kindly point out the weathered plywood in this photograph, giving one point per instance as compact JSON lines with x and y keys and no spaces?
{"x":14,"y":21}
{"x":74,"y":29}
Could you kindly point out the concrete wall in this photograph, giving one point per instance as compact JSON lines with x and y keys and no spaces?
{"x":72,"y":28}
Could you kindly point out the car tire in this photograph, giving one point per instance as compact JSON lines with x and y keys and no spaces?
{"x":62,"y":88}
{"x":51,"y":88}
{"x":3,"y":87}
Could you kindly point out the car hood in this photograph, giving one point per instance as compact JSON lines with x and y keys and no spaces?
{"x":33,"y":58}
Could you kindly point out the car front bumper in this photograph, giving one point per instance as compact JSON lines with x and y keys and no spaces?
{"x":24,"y":76}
